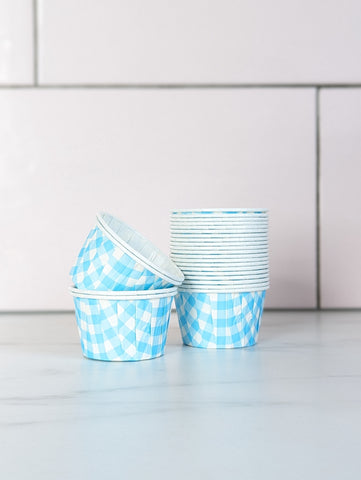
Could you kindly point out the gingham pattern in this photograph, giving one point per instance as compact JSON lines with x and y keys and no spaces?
{"x":102,"y":265}
{"x":123,"y":330}
{"x":219,"y":320}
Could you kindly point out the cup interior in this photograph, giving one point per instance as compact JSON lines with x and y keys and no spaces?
{"x":139,"y":246}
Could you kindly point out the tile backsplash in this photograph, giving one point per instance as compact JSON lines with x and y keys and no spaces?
{"x":138,"y":107}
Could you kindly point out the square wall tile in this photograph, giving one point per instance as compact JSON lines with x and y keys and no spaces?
{"x":199,"y":41}
{"x":340,"y":198}
{"x":139,"y":153}
{"x":16,"y":42}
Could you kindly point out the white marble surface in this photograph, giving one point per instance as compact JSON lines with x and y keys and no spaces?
{"x":289,"y":408}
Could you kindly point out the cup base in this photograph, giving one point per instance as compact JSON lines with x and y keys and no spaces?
{"x":219,"y":320}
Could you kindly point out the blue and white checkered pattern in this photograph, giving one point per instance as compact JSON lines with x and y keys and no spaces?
{"x":219,"y":320}
{"x":102,"y":265}
{"x":123,"y":330}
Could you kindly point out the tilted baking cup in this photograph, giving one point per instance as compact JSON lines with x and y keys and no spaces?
{"x":121,"y":327}
{"x":108,"y":260}
{"x":219,"y":320}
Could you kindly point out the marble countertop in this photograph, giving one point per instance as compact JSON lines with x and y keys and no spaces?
{"x":288,"y":408}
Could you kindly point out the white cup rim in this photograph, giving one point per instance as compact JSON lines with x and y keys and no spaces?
{"x":222,"y":290}
{"x":123,"y":294}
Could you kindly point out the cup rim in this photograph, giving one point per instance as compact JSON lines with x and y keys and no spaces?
{"x":219,"y":258}
{"x":220,"y":251}
{"x":218,"y":243}
{"x":226,"y":269}
{"x":123,"y":294}
{"x":224,"y":211}
{"x":210,"y":220}
{"x":245,"y":275}
{"x":229,"y":235}
{"x":230,"y":283}
{"x":222,"y":290}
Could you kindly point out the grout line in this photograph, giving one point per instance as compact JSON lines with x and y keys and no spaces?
{"x":318,"y":226}
{"x":35,"y":44}
{"x":161,"y":86}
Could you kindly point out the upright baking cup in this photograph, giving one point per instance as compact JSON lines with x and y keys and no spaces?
{"x":219,"y":320}
{"x":123,"y":326}
{"x":116,"y":257}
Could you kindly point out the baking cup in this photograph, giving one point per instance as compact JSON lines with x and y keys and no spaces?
{"x":116,"y":257}
{"x":123,"y":326}
{"x":219,"y":320}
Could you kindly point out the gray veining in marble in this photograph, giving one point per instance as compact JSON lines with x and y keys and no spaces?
{"x":289,"y":408}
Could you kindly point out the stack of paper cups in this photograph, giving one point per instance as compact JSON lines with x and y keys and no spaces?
{"x":223,"y":254}
{"x":123,"y":291}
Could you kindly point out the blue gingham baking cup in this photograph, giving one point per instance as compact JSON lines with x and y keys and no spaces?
{"x":123,"y":326}
{"x":116,"y":257}
{"x":219,"y":320}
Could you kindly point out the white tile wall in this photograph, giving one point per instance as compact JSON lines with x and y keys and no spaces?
{"x":341,"y":198}
{"x":69,"y":153}
{"x":112,"y":41}
{"x":16,"y":42}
